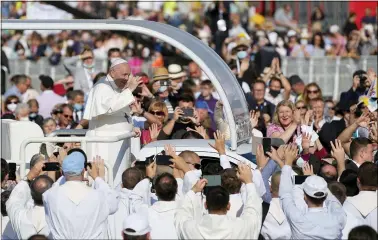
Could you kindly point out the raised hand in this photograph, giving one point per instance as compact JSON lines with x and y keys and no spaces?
{"x":137,"y":132}
{"x":244,"y":173}
{"x":35,"y":171}
{"x":177,"y":114}
{"x":151,"y":170}
{"x":154,"y":131}
{"x":253,"y":119}
{"x":297,"y":116}
{"x":373,"y":133}
{"x":200,"y":130}
{"x":363,"y":120}
{"x":338,"y":151}
{"x":219,"y":145}
{"x":307,"y":169}
{"x":170,"y":150}
{"x":200,"y":185}
{"x":290,"y":155}
{"x":133,"y":83}
{"x":261,"y":159}
{"x":309,"y":116}
{"x":145,"y":92}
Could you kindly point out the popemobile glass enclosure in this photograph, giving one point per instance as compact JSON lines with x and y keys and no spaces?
{"x":224,"y":81}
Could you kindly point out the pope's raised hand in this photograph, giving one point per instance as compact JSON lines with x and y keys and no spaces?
{"x":133,"y":83}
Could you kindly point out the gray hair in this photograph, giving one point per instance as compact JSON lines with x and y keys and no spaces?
{"x":20,"y":79}
{"x":21,"y":106}
{"x":36,"y":158}
{"x":72,"y":174}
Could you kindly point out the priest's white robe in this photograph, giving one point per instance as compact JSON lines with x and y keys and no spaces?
{"x":109,"y":114}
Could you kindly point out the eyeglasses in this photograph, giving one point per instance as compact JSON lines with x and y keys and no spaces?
{"x":68,"y":116}
{"x":300,"y":108}
{"x":158,"y":113}
{"x":331,"y":108}
{"x":315,"y":92}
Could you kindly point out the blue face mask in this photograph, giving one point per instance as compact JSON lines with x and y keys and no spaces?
{"x":78,"y":107}
{"x":242,"y":54}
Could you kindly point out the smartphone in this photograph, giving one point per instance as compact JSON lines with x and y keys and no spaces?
{"x":163,"y":160}
{"x":212,"y":180}
{"x":12,"y":171}
{"x":298,"y":180}
{"x":51,"y":166}
{"x":165,"y":83}
{"x":188,"y":112}
{"x":267,"y":143}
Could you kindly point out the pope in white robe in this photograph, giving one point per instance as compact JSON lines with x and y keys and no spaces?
{"x":108,"y":113}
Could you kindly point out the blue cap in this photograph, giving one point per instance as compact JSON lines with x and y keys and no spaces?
{"x":73,"y":163}
{"x":203,"y":105}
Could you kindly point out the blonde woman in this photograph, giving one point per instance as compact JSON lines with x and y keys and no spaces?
{"x":312,"y":91}
{"x":286,"y":122}
{"x":160,"y":111}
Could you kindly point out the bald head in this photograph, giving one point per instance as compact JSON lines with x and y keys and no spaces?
{"x":275,"y":184}
{"x":191,"y":158}
{"x":120,"y":72}
{"x":38,"y":186}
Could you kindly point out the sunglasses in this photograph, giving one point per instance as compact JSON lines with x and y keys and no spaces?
{"x":68,"y":116}
{"x":197,"y":166}
{"x":299,"y":108}
{"x":315,"y":92}
{"x":15,"y":102}
{"x":158,"y":113}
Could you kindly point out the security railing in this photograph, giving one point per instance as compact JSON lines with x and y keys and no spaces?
{"x":82,"y":140}
{"x":334,"y":75}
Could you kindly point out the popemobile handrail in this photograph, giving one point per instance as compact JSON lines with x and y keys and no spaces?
{"x":82,"y":140}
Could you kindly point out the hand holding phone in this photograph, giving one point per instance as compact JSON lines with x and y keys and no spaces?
{"x":188,"y":112}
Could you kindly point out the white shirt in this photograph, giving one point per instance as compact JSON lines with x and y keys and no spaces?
{"x":125,"y":207}
{"x":26,"y":221}
{"x":191,"y":224}
{"x":161,"y":213}
{"x":361,"y":210}
{"x":236,"y":208}
{"x":76,"y":211}
{"x":47,"y":101}
{"x":275,"y":225}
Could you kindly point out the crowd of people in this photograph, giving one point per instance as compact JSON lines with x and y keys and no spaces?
{"x":330,"y":146}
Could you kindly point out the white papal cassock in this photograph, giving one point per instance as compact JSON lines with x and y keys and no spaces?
{"x":108,"y":113}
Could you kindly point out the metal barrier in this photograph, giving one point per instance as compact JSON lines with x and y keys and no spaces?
{"x":82,"y":140}
{"x":334,"y":75}
{"x":64,"y":132}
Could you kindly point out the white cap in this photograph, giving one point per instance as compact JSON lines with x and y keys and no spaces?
{"x":137,"y":222}
{"x":334,"y":29}
{"x":315,"y":185}
{"x":273,"y":37}
{"x":291,"y":33}
{"x":117,"y":61}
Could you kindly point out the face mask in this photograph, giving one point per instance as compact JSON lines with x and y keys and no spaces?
{"x":88,"y":66}
{"x":32,"y":115}
{"x":304,"y":41}
{"x":131,"y":45}
{"x":242,"y":54}
{"x":12,"y":107}
{"x":24,"y":119}
{"x":20,"y":51}
{"x":274,"y":93}
{"x":162,"y":89}
{"x":197,"y":94}
{"x":78,"y":107}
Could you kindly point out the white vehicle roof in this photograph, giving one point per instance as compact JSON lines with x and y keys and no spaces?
{"x":199,"y":146}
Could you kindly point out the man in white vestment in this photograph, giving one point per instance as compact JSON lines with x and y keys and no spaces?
{"x":109,"y":115}
{"x":73,"y":209}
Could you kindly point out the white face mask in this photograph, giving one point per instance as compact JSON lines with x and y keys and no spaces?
{"x":280,"y":43}
{"x":304,"y":41}
{"x":12,"y":107}
{"x":24,"y":119}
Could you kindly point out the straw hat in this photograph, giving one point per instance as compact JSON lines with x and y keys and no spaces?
{"x":160,"y":73}
{"x":175,"y":71}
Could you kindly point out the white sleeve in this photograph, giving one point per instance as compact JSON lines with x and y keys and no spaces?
{"x":190,"y":178}
{"x":259,"y":182}
{"x":112,"y":196}
{"x":142,"y":193}
{"x":252,"y":210}
{"x":224,"y":161}
{"x":16,"y":209}
{"x":180,"y":185}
